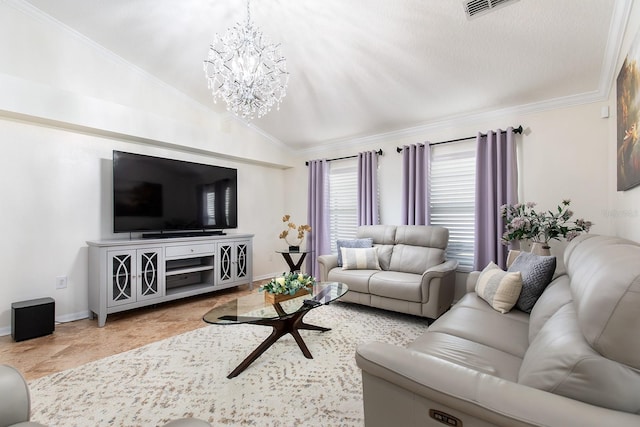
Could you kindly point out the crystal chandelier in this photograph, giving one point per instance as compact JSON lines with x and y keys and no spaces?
{"x":247,"y":71}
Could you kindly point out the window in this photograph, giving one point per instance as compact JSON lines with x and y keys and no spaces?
{"x":452,"y":201}
{"x":343,"y":200}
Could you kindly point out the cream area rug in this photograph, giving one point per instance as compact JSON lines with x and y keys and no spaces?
{"x":186,"y":376}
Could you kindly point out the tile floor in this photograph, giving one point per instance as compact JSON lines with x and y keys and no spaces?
{"x":82,"y":341}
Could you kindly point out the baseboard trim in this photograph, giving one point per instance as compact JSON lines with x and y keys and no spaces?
{"x":73,"y":316}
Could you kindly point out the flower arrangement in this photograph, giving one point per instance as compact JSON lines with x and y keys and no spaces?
{"x":301,"y":229}
{"x":522,"y":222}
{"x":289,"y":283}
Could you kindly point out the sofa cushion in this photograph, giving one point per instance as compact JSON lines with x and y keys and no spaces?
{"x":605,"y":284}
{"x":360,"y":259}
{"x":414,"y":259}
{"x":357,"y":280}
{"x":561,"y":361}
{"x":499,"y":288}
{"x":352,"y":243}
{"x":537,"y":272}
{"x":418,"y":248}
{"x":420,"y":235}
{"x":554,"y":296}
{"x":381,"y":234}
{"x":473,"y":319}
{"x":470,"y":354}
{"x":384,"y":237}
{"x":384,"y":255}
{"x":397,"y":285}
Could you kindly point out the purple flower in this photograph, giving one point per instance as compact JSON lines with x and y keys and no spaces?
{"x":571,"y":235}
{"x":523,"y":222}
{"x":518,"y":223}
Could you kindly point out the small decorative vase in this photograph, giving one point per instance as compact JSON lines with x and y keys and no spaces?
{"x":539,"y":248}
{"x":294,"y":243}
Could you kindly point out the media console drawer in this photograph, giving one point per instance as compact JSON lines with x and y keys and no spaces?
{"x":183,"y":250}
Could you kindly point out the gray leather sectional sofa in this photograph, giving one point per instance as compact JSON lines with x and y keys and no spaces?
{"x":414,"y":276}
{"x":574,"y":361}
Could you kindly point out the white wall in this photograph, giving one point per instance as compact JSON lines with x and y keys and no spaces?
{"x":66,"y":104}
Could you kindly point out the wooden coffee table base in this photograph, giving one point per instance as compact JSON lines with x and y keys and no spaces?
{"x":285,"y":325}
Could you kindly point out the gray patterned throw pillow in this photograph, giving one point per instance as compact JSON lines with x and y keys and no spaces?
{"x":352,"y":243}
{"x":537,"y":272}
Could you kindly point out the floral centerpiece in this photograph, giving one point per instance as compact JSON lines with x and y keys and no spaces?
{"x":289,"y":233}
{"x":523,"y":222}
{"x":287,"y":286}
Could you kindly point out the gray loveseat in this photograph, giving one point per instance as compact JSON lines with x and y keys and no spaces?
{"x":574,"y":361}
{"x":414,"y":276}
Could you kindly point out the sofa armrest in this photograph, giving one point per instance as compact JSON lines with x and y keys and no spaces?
{"x":15,"y":405}
{"x":472,"y":278}
{"x":326,"y":263}
{"x":468,"y":392}
{"x":441,"y":271}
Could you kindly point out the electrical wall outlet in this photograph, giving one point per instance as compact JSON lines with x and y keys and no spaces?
{"x":61,"y":282}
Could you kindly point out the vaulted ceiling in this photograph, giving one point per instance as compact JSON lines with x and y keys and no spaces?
{"x":365,"y":67}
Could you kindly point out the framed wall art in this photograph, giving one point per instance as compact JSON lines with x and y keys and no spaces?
{"x":628,"y":108}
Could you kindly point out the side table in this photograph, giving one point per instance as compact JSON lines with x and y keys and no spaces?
{"x":294,"y":265}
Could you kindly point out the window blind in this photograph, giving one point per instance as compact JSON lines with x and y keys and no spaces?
{"x":452,"y":198}
{"x":343,"y":208}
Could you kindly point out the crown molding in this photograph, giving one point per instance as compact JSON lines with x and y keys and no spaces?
{"x":461,"y":120}
{"x":617,"y":28}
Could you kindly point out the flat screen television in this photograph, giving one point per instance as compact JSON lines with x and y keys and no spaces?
{"x":166,"y":195}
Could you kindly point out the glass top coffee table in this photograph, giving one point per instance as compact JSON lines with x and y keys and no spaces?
{"x":284,"y":317}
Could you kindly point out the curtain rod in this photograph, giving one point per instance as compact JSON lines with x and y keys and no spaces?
{"x":378,"y":152}
{"x":515,"y":130}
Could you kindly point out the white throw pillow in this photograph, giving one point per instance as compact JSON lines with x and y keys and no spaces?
{"x":499,"y":288}
{"x":360,"y":259}
{"x":352,"y":243}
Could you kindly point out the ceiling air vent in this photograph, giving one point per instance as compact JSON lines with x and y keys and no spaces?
{"x":474,"y":8}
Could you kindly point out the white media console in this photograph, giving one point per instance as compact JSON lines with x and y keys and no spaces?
{"x":127,"y":274}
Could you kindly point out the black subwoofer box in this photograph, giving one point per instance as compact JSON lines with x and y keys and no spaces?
{"x":33,"y":318}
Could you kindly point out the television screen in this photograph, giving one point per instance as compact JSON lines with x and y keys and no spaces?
{"x":158,"y":194}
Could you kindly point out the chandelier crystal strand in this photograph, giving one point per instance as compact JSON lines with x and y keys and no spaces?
{"x":247,"y":71}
